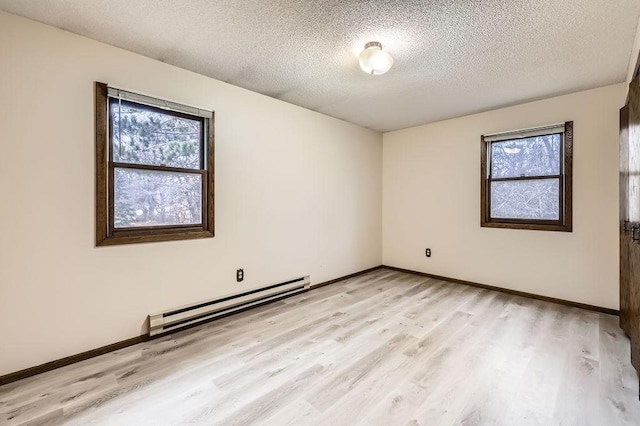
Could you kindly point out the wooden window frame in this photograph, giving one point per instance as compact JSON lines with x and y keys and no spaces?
{"x":564,"y":224}
{"x":106,"y":233}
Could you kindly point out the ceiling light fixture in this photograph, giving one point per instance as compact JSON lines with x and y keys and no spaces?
{"x":373,"y":60}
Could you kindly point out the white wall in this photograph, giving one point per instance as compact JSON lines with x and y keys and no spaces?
{"x":431,"y":198}
{"x":297,"y":193}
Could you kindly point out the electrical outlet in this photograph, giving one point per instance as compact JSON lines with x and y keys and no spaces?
{"x":427,"y":252}
{"x":239,"y":275}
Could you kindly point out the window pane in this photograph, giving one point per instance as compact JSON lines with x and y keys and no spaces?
{"x":526,"y":199}
{"x":143,"y":136}
{"x":535,"y":156}
{"x":151,"y":198}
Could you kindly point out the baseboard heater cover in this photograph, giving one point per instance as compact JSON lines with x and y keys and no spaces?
{"x":184,"y":316}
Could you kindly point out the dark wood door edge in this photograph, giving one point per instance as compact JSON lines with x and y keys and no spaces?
{"x":514,"y":292}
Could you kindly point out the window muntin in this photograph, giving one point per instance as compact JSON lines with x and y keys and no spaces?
{"x":154,"y":178}
{"x":526,"y":179}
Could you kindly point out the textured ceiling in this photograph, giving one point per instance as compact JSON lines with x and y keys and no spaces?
{"x":452,"y":57}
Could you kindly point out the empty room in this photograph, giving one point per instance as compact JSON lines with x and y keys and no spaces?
{"x":320,"y":213}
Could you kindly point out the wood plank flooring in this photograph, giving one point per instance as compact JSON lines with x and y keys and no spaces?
{"x":385,"y":348}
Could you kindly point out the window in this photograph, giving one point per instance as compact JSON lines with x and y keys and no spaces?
{"x":526,"y":178}
{"x":154,"y":169}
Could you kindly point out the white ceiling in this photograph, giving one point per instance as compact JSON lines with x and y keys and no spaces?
{"x":452,"y":57}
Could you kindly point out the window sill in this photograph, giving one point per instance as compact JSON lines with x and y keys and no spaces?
{"x":527,"y":226}
{"x":154,"y":237}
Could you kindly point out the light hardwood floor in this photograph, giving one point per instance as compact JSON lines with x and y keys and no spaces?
{"x":385,"y":348}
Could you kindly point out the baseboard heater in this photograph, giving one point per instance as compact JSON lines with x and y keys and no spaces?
{"x":178,"y":318}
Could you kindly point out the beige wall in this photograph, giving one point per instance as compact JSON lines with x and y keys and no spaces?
{"x":297,"y":193}
{"x":633,"y":60}
{"x":431,"y":198}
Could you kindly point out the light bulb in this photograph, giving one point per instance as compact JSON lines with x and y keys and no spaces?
{"x":373,"y":60}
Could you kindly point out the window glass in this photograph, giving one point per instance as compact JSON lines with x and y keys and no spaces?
{"x":145,"y":136}
{"x":536,"y":156}
{"x":153,"y":198}
{"x":526,"y":199}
